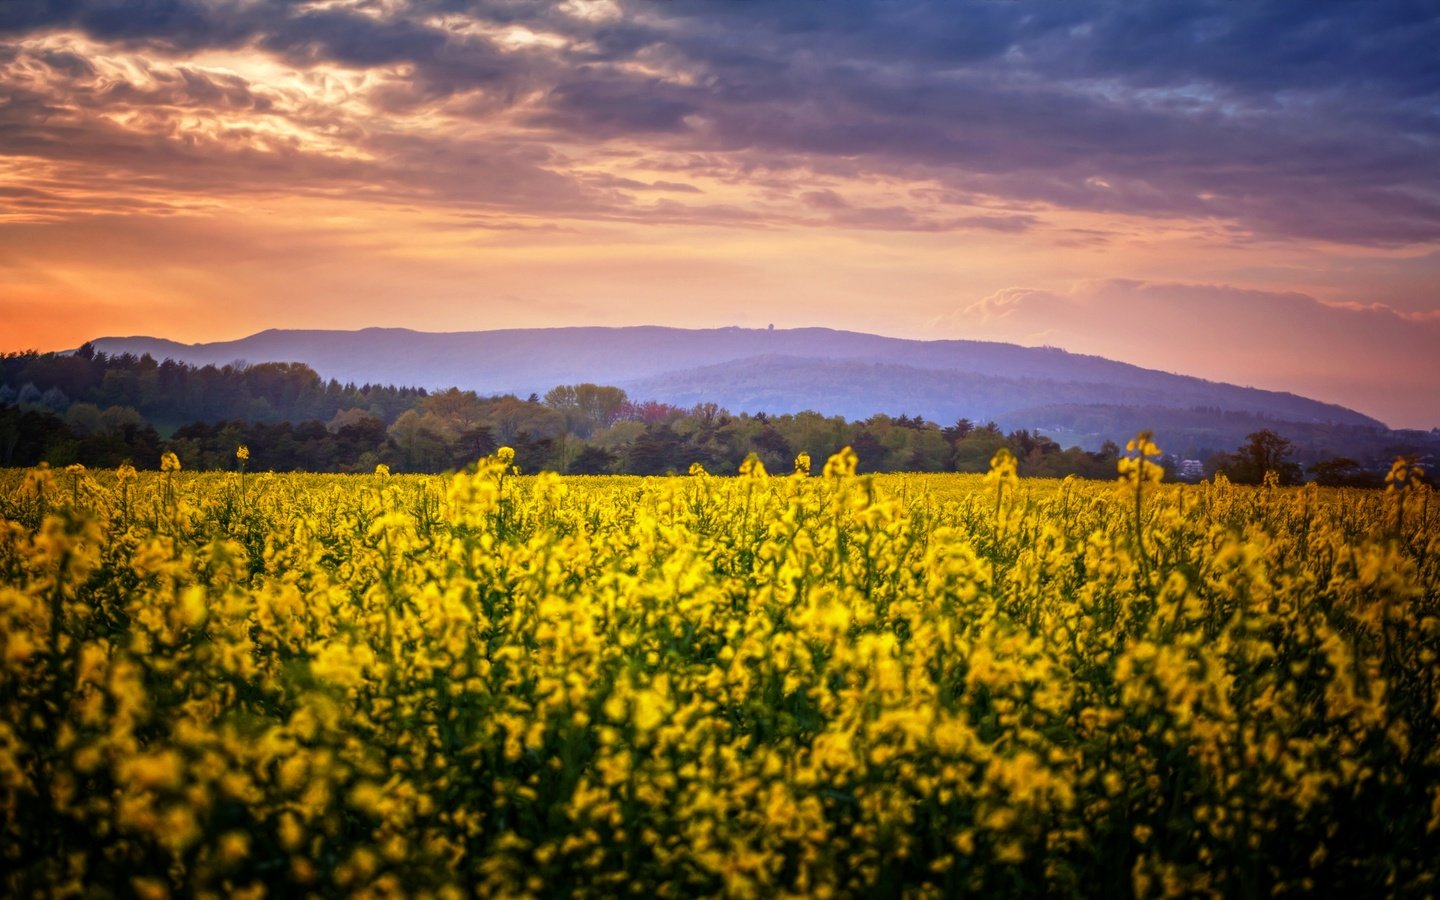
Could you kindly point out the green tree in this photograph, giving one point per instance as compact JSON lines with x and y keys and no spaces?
{"x":459,"y":410}
{"x":1263,"y":451}
{"x":1341,"y":471}
{"x":974,"y":452}
{"x":593,"y":461}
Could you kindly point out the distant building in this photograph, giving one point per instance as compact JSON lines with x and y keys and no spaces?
{"x":1189,"y":470}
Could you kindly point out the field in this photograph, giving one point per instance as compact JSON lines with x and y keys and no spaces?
{"x":757,"y":685}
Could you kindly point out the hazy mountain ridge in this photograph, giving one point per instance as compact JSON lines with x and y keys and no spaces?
{"x":776,"y":371}
{"x":853,"y":388}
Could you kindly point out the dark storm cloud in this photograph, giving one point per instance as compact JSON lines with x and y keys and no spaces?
{"x":1294,"y":119}
{"x":604,"y":106}
{"x":1281,"y":117}
{"x":353,"y":40}
{"x":182,"y":24}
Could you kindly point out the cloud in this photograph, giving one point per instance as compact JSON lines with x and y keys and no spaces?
{"x":840,"y":212}
{"x":1371,"y":357}
{"x":931,"y":142}
{"x":122,"y":130}
{"x":1276,"y":120}
{"x":602,"y":106}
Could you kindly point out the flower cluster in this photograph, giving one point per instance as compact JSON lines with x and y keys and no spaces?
{"x":760,"y":686}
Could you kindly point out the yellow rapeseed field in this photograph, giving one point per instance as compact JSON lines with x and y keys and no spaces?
{"x":756,"y":686}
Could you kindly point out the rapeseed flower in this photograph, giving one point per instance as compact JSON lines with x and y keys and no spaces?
{"x":507,"y":685}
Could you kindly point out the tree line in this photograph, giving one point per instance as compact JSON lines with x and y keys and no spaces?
{"x":101,"y":411}
{"x":170,"y":393}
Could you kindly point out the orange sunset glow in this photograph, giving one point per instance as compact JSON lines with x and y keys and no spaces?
{"x":1246,"y":193}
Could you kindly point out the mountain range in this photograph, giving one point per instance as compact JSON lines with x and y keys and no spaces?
{"x":1078,"y":398}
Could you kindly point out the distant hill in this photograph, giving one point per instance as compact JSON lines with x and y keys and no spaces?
{"x":759,"y":370}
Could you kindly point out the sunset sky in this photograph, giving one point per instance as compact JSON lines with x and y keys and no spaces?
{"x":1245,"y":191}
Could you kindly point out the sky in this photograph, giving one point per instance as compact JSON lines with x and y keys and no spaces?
{"x":1244,"y":191}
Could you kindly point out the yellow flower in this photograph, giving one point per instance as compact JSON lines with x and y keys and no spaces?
{"x":841,"y":464}
{"x":290,"y":831}
{"x":193,"y":605}
{"x":1406,"y":471}
{"x":234,"y":846}
{"x":149,"y":888}
{"x":164,"y":769}
{"x":647,"y":710}
{"x":169,"y":462}
{"x":753,"y":681}
{"x":19,"y":648}
{"x":242,"y":453}
{"x":1139,"y":468}
{"x":1003,"y":469}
